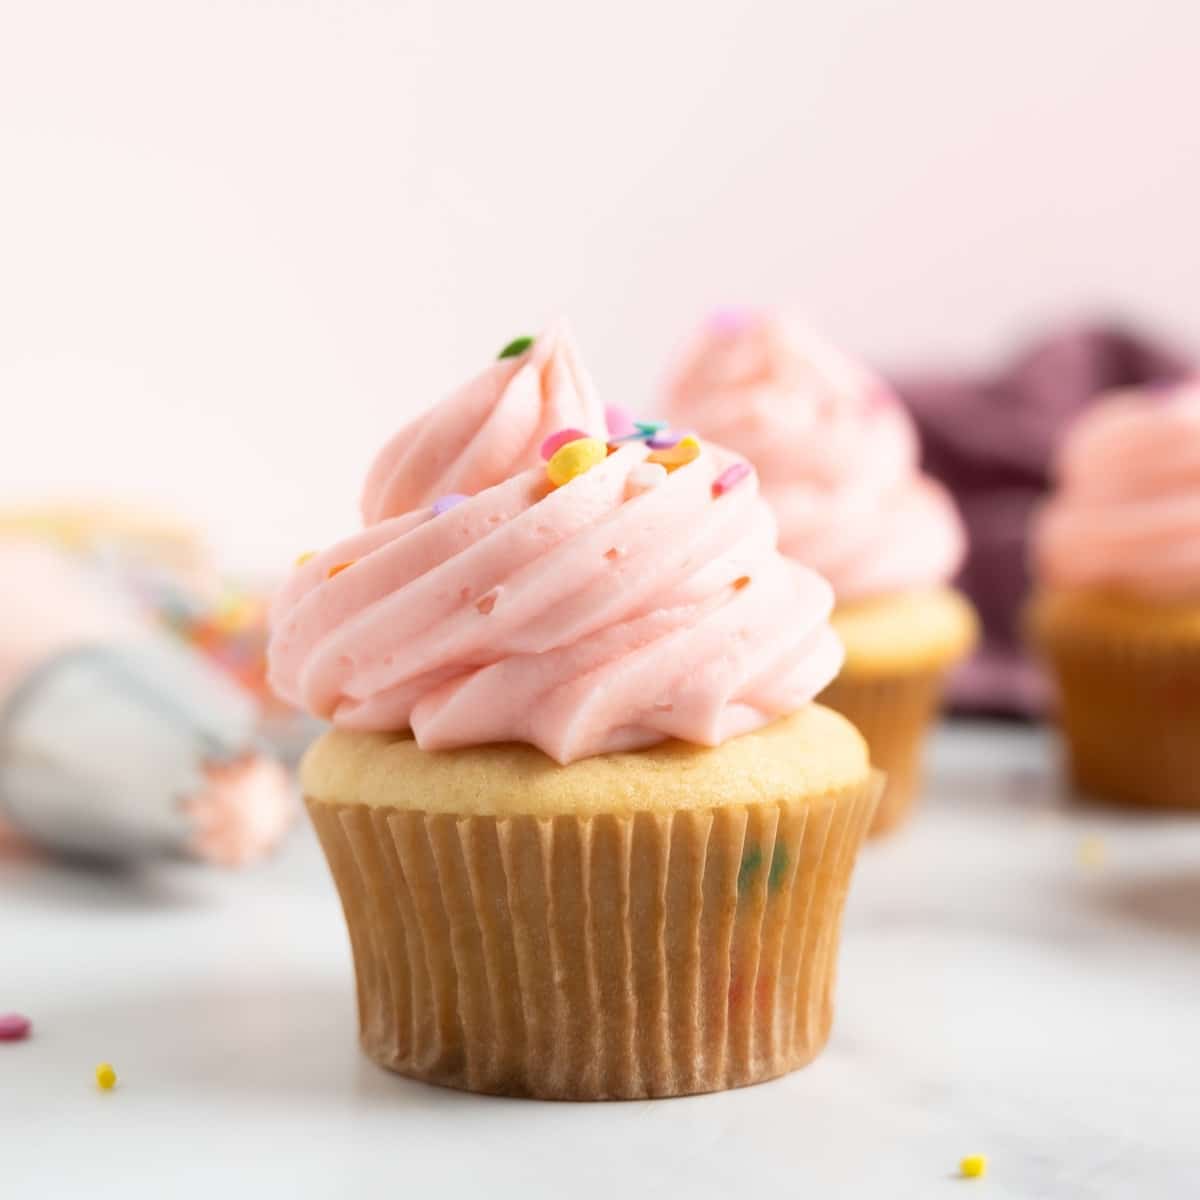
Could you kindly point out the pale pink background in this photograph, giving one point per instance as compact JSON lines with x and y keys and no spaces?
{"x":239,"y":242}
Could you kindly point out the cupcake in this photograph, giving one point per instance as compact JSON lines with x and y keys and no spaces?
{"x":591,"y":835}
{"x":1116,"y":613}
{"x":838,"y":458}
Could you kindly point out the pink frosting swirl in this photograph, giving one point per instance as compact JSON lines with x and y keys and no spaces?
{"x":1126,"y":513}
{"x":627,"y":606}
{"x":487,"y":430}
{"x":836,"y":451}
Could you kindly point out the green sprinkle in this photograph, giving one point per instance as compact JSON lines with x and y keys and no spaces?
{"x":649,"y":428}
{"x":515,"y":347}
{"x":751,"y":861}
{"x":779,"y":866}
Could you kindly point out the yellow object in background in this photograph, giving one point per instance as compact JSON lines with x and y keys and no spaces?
{"x":106,"y":1077}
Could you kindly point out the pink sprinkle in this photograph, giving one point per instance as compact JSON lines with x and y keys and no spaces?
{"x":561,"y":438}
{"x":620,"y":421}
{"x":446,"y":503}
{"x":731,"y":320}
{"x":730,"y":478}
{"x":14,"y":1027}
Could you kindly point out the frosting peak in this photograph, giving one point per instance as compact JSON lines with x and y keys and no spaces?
{"x":641,"y":600}
{"x":488,"y":429}
{"x":836,"y":451}
{"x":1126,"y":513}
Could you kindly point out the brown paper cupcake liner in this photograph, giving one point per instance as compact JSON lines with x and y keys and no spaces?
{"x":893,"y":713}
{"x":603,"y":957}
{"x":1130,"y":714}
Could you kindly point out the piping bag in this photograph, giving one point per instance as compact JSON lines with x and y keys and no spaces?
{"x":117,"y":742}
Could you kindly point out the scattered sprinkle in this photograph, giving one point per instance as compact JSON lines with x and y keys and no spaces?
{"x":516,"y":347}
{"x":14,"y":1027}
{"x":1092,"y":852}
{"x":574,"y":459}
{"x":730,"y":478}
{"x":561,"y":438}
{"x":740,"y":582}
{"x":307,"y":556}
{"x":337,"y":570}
{"x":649,"y":428}
{"x":106,"y":1077}
{"x":444,"y":504}
{"x":683,"y":452}
{"x":619,"y":421}
{"x":665,"y":439}
{"x":974,"y":1166}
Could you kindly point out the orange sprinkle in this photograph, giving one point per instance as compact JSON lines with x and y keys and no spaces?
{"x":339,"y":569}
{"x":684,"y":451}
{"x":741,"y":582}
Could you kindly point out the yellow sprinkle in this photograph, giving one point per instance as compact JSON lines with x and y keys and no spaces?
{"x":572,"y":460}
{"x":106,"y":1077}
{"x":1092,"y":852}
{"x":337,"y":570}
{"x":684,"y":451}
{"x":973,"y":1166}
{"x":306,"y":557}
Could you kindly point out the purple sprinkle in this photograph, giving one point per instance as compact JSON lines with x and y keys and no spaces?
{"x":14,"y":1027}
{"x":665,"y":439}
{"x":446,"y":503}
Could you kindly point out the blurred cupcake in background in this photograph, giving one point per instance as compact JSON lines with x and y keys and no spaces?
{"x":1116,"y":612}
{"x":837,"y":455}
{"x":990,"y":435}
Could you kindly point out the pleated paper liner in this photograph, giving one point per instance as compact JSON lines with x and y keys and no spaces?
{"x":893,"y":713}
{"x":602,"y":957}
{"x":1130,"y":714}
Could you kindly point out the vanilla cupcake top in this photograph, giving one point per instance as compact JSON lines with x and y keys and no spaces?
{"x":835,"y":449}
{"x":1126,"y":512}
{"x":607,"y":598}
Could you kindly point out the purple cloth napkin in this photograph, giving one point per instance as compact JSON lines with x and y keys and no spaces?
{"x":991,"y":440}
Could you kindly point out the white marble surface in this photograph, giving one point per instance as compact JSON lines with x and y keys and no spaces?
{"x":997,"y":995}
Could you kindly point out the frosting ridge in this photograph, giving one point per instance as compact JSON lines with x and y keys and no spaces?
{"x":632,"y":604}
{"x":486,"y":430}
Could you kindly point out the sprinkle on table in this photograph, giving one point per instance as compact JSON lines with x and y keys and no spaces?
{"x":974,"y":1166}
{"x":339,"y":568}
{"x":649,"y":428}
{"x":574,"y":459}
{"x":683,"y":452}
{"x":516,"y":347}
{"x":444,"y":504}
{"x":14,"y":1027}
{"x":730,"y":478}
{"x":307,"y":556}
{"x":106,"y":1077}
{"x":560,"y":438}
